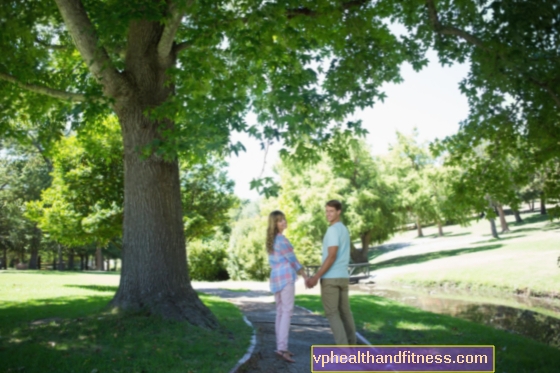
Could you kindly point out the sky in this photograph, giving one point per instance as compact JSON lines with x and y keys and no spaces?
{"x":429,"y":100}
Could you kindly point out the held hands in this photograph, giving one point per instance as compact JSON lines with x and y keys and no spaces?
{"x":311,"y":282}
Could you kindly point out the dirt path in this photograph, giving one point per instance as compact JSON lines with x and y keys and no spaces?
{"x":258,"y":306}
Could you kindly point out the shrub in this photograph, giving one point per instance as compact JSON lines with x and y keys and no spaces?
{"x":247,"y":257}
{"x":207,"y":259}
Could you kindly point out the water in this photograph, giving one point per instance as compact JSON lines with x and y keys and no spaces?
{"x":527,"y":322}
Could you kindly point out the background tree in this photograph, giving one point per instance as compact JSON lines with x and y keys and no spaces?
{"x":83,"y":205}
{"x":207,"y":196}
{"x":512,"y":48}
{"x":370,"y":204}
{"x":23,"y":175}
{"x":180,"y":76}
{"x":447,"y":208}
{"x":407,"y":161}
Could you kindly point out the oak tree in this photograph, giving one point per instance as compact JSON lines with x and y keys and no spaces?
{"x":180,"y":75}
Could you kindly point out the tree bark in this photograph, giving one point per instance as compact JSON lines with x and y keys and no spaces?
{"x":71,"y":260}
{"x":98,"y":259}
{"x":60,"y":265}
{"x":503,"y":222}
{"x":419,"y":227}
{"x":5,"y":258}
{"x":493,"y":228}
{"x":154,"y":264}
{"x":35,"y":242}
{"x":440,"y":229}
{"x":33,"y":258}
{"x":517,"y":216}
{"x":543,"y":204}
{"x":361,"y":256}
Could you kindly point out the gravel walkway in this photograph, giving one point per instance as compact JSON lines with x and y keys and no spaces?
{"x":258,"y":306}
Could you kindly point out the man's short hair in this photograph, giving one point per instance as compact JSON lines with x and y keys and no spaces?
{"x":335,"y":203}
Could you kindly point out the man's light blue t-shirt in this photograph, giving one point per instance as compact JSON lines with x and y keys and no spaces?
{"x":337,"y":235}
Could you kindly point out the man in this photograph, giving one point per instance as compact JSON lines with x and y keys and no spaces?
{"x":334,"y":277}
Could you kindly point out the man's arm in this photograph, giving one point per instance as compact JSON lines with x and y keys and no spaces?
{"x":327,"y":264}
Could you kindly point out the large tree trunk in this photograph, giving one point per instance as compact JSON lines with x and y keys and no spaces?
{"x":440,"y":229}
{"x":419,"y":227}
{"x":154,"y":273}
{"x":517,"y":216}
{"x":503,"y":222}
{"x":543,"y":204}
{"x":493,"y":228}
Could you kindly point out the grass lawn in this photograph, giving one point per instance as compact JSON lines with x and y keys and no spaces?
{"x":57,"y":322}
{"x":384,"y":322}
{"x":522,"y":261}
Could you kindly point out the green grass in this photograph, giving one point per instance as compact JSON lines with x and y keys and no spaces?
{"x":384,"y":322}
{"x":513,"y":268}
{"x":78,"y":334}
{"x":516,"y":263}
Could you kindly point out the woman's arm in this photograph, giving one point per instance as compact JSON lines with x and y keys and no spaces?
{"x":287,"y":251}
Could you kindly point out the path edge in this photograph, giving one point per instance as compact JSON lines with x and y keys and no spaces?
{"x":250,"y":350}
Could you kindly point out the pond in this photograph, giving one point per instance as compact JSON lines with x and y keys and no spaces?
{"x":520,"y":315}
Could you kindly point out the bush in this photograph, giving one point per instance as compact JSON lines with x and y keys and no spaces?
{"x":247,"y":256}
{"x":206,"y":259}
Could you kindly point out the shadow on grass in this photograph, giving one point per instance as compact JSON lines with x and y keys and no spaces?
{"x":551,"y":226}
{"x":526,"y":230}
{"x":59,"y":273}
{"x":457,"y":234}
{"x":412,"y":259}
{"x":62,"y":307}
{"x":503,"y":237}
{"x":379,"y":250}
{"x":434,"y":235}
{"x":536,"y":218}
{"x":385,"y":322}
{"x":101,"y":288}
{"x":77,"y":334}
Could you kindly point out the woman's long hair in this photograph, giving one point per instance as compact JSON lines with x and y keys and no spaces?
{"x":273,"y":219}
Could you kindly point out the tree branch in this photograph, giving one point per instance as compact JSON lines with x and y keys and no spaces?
{"x":83,"y":33}
{"x":181,"y":47}
{"x":291,"y":13}
{"x":453,"y":31}
{"x":165,"y":44}
{"x":56,"y":93}
{"x":450,"y":30}
{"x":51,"y":46}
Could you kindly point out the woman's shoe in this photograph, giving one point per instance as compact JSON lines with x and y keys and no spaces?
{"x":285,"y":355}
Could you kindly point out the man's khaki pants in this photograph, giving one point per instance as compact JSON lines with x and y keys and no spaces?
{"x":334,"y":294}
